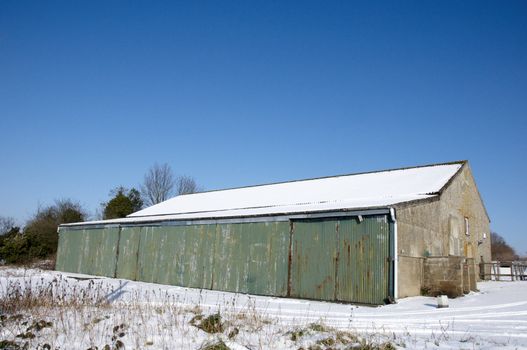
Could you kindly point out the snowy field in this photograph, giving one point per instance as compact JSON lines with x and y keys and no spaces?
{"x":52,"y":310}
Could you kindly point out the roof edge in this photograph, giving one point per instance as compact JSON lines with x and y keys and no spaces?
{"x":148,"y":220}
{"x":333,"y":176}
{"x":463,"y":163}
{"x":477,"y":191}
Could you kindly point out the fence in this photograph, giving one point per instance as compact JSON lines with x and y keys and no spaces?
{"x":504,"y":271}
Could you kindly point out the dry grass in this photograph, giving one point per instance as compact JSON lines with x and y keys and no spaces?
{"x":20,"y":297}
{"x":66,"y":314}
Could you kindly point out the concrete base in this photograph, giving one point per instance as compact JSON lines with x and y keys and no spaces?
{"x":410,"y":276}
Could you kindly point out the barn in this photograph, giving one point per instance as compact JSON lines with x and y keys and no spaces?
{"x":362,"y":238}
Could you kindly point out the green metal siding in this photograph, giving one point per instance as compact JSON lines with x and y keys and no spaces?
{"x":252,"y":258}
{"x":341,"y":259}
{"x":327,"y":259}
{"x":314,"y":251}
{"x":248,"y":257}
{"x":178,"y":255}
{"x":149,"y":255}
{"x":128,"y":250}
{"x":68,"y":257}
{"x":104,"y":251}
{"x":89,"y":251}
{"x":364,"y":260}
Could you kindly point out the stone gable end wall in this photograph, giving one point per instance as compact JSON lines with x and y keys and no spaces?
{"x":461,"y":200}
{"x":434,"y":253}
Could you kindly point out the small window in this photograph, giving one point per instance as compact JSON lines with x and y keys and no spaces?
{"x":467,"y":227}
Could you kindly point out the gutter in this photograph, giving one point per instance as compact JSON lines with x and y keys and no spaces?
{"x":395,"y":255}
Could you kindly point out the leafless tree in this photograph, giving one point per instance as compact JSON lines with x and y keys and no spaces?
{"x":6,"y":224}
{"x":158,"y":184}
{"x":186,"y":185}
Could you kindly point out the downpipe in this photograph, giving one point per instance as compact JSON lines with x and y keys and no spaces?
{"x":395,"y":254}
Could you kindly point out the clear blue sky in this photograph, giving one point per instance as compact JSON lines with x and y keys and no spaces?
{"x":92,"y":93}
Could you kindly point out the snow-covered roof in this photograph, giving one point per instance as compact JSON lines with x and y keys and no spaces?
{"x":365,"y":190}
{"x":356,"y":191}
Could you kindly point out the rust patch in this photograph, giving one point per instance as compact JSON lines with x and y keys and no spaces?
{"x":337,"y":259}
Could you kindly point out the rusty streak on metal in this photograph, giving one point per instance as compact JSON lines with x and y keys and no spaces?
{"x":337,"y":258}
{"x":117,"y":252}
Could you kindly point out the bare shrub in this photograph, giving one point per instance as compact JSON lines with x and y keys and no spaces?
{"x":210,"y":324}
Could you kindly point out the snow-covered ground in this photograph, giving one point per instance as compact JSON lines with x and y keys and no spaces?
{"x":95,"y":312}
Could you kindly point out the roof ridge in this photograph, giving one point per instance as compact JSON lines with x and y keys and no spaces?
{"x":330,"y":177}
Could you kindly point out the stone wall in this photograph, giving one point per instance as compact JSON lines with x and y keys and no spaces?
{"x":443,"y":275}
{"x":436,"y":232}
{"x":419,"y":229}
{"x":450,"y":275}
{"x":461,"y":201}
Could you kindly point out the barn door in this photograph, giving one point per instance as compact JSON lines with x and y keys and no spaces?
{"x":341,"y":259}
{"x":364,"y":260}
{"x":313,"y":255}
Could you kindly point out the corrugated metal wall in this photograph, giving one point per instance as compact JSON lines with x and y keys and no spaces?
{"x":341,"y":259}
{"x":326,"y":259}
{"x":314,"y":253}
{"x":245,"y":257}
{"x":364,"y":260}
{"x":89,"y":251}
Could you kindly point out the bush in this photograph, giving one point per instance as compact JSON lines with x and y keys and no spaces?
{"x":124,"y":202}
{"x":39,"y":239}
{"x":15,"y":249}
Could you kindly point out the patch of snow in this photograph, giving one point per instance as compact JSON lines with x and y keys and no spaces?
{"x":496,"y":316}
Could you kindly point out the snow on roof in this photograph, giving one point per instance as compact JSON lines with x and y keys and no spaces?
{"x":366,"y":190}
{"x":346,"y":192}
